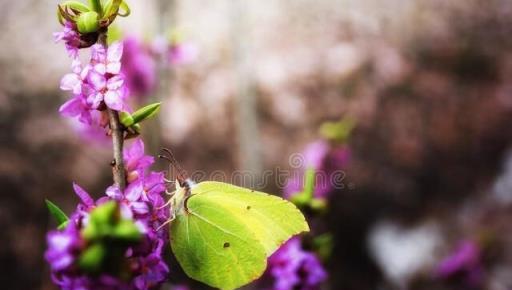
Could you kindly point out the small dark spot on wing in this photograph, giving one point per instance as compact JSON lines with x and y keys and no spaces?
{"x":248,"y":207}
{"x":226,"y":245}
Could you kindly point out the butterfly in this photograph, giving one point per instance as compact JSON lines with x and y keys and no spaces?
{"x":222,"y":234}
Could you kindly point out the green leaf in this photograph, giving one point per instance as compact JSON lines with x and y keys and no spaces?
{"x":87,"y":22}
{"x":61,"y":218}
{"x":146,"y":112}
{"x":223,"y":234}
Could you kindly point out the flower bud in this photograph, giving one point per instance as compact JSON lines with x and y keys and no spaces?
{"x":126,"y":119}
{"x":87,"y":22}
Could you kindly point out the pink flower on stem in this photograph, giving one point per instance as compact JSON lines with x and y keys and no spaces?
{"x":70,"y":37}
{"x":136,"y":162}
{"x":77,"y":107}
{"x":104,"y":79}
{"x":108,"y":89}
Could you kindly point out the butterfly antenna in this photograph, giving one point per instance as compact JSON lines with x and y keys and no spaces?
{"x":169,"y":156}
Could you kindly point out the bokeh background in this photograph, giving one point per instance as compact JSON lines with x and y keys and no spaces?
{"x":428,"y":84}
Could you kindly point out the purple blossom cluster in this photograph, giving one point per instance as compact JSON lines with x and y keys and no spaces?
{"x":291,"y":267}
{"x":324,"y":159}
{"x":141,"y":202}
{"x":94,"y":86}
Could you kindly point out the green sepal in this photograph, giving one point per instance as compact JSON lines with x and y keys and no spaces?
{"x":87,"y":22}
{"x":110,"y":9}
{"x":146,"y":112}
{"x":59,"y":215}
{"x":91,"y":260}
{"x":126,"y":119}
{"x":124,"y":6}
{"x":96,"y":6}
{"x":69,"y":10}
{"x":76,"y":6}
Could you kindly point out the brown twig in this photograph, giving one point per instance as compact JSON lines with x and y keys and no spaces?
{"x":118,"y":170}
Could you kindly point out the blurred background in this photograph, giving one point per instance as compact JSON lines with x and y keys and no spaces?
{"x":426,"y":85}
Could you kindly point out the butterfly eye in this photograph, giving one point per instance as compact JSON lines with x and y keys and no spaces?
{"x":226,"y":245}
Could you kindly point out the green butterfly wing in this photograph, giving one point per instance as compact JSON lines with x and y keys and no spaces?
{"x":226,"y":233}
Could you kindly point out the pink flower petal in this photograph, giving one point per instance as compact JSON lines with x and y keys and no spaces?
{"x":114,"y":192}
{"x":134,"y":191}
{"x":115,"y":52}
{"x":113,"y":100}
{"x":96,"y":80}
{"x":100,"y":68}
{"x":115,"y":83}
{"x":98,"y":53}
{"x":71,"y":108}
{"x":114,"y":67}
{"x":71,"y":82}
{"x":83,"y":195}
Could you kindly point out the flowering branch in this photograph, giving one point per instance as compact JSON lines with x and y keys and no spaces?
{"x":118,"y":170}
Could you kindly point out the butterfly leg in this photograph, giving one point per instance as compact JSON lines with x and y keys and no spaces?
{"x":165,"y":223}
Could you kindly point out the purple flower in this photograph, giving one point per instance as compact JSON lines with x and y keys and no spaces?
{"x":107,"y":89}
{"x":135,"y":161}
{"x":293,"y":268}
{"x":62,"y":247}
{"x":103,"y":79}
{"x":138,"y":67}
{"x":107,"y":60}
{"x":146,"y":266}
{"x":77,"y":107}
{"x":153,"y":270}
{"x":74,"y":81}
{"x":465,"y":261}
{"x":70,"y":37}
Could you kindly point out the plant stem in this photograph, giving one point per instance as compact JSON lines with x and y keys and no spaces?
{"x":118,"y":170}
